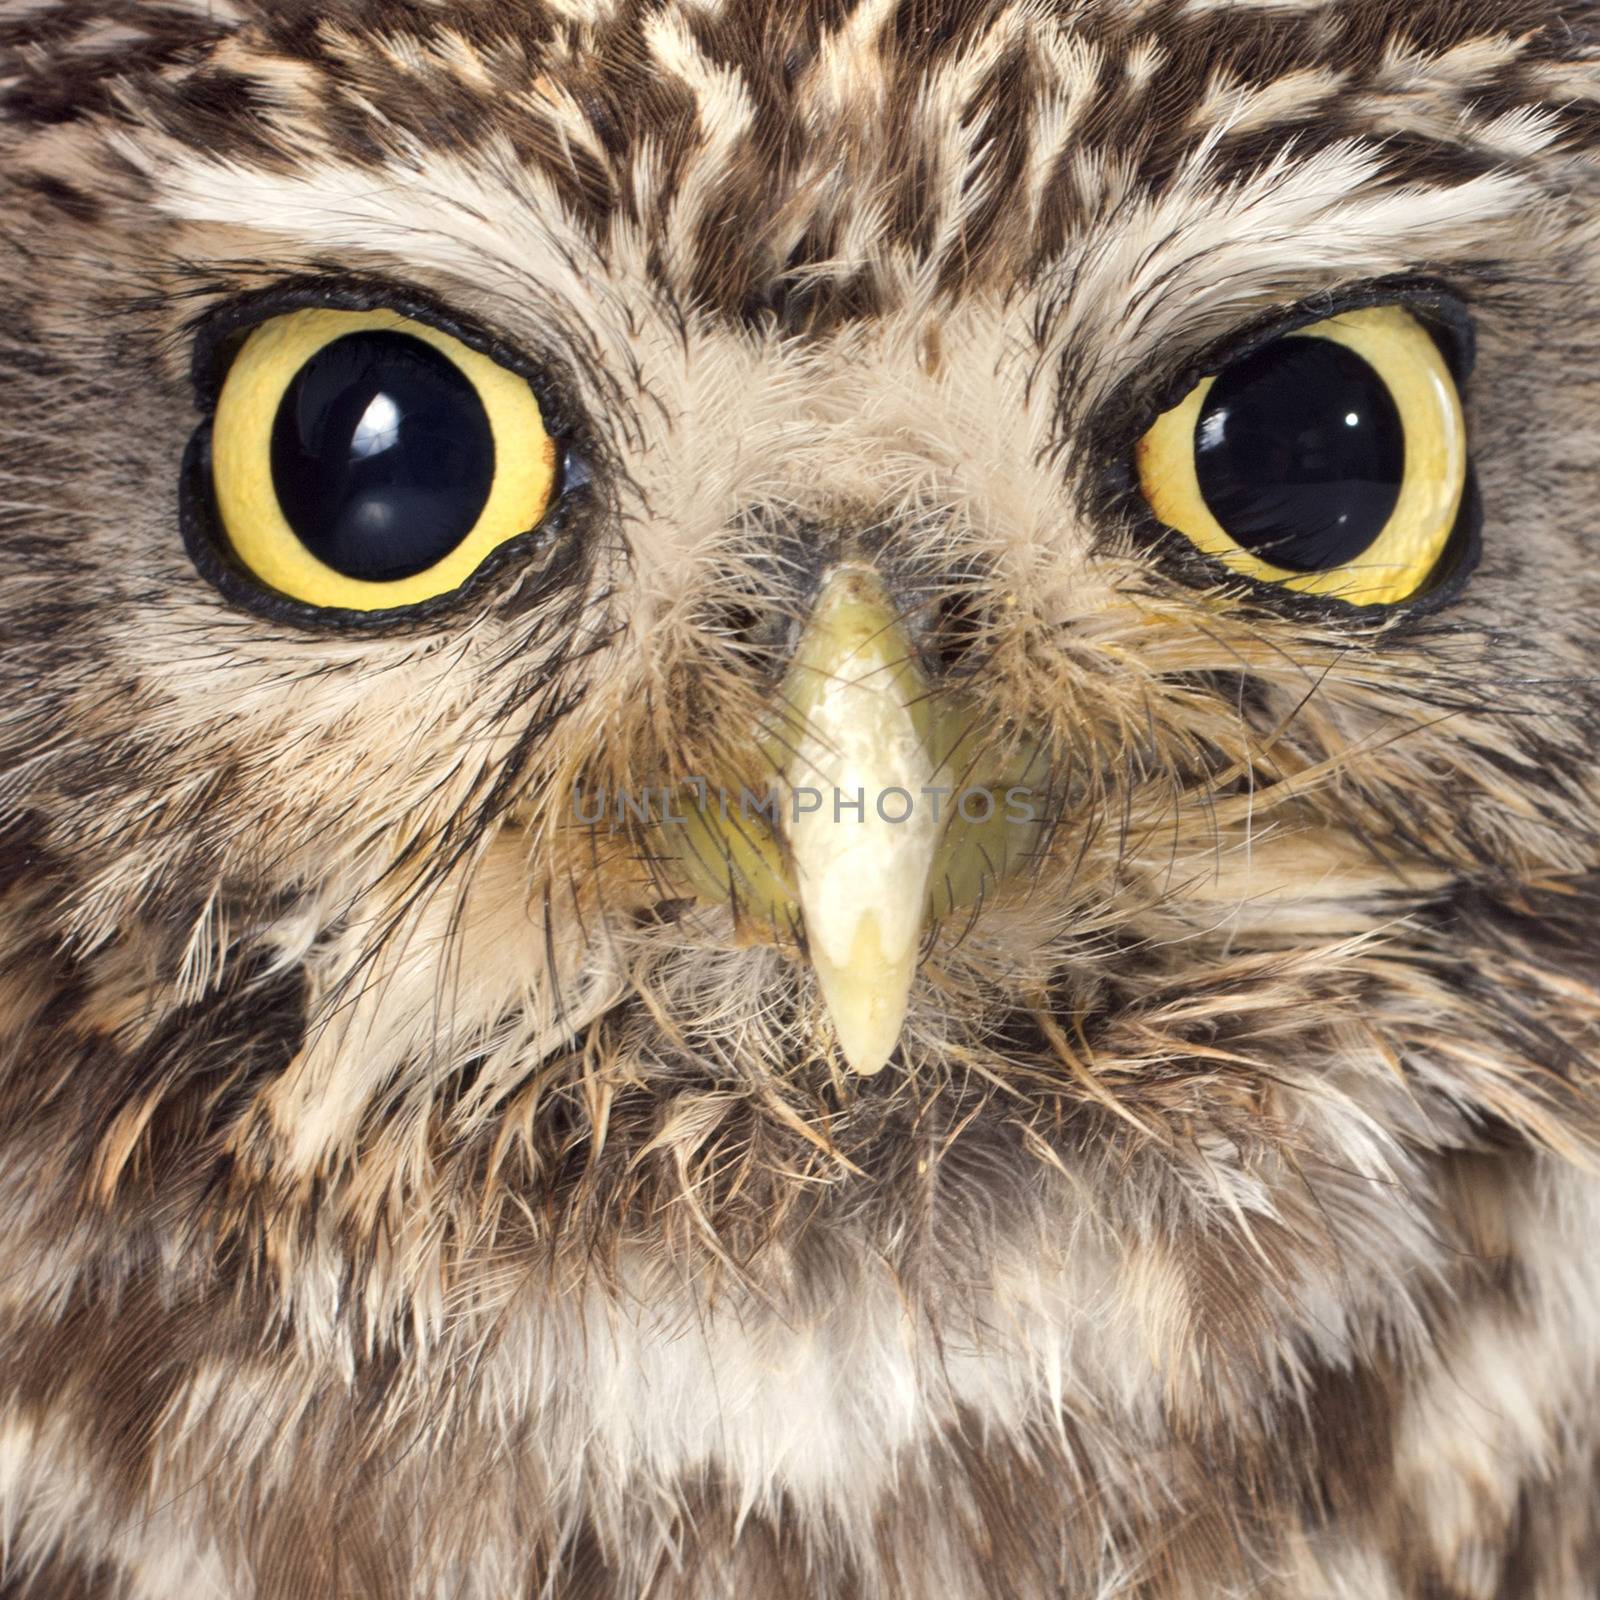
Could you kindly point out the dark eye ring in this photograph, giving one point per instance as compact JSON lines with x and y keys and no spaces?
{"x":1331,"y":461}
{"x":363,"y":461}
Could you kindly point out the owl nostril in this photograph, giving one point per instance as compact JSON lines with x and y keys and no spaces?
{"x":956,"y":637}
{"x":759,"y":634}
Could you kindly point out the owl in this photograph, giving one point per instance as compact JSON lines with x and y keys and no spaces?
{"x":799,"y":799}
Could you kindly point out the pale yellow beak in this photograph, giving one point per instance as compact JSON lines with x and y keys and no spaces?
{"x":861,"y":830}
{"x":865,"y":845}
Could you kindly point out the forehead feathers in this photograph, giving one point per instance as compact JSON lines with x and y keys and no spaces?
{"x":810,"y":162}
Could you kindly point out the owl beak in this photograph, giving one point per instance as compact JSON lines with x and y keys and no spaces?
{"x":861,"y":837}
{"x":850,"y":850}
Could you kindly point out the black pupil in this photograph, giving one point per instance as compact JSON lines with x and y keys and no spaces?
{"x":382,"y":455}
{"x":1300,"y":453}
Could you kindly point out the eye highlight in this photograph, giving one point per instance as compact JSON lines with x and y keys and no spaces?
{"x":362,"y":460}
{"x":1332,"y":461}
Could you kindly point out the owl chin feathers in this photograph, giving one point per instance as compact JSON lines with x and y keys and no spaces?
{"x":470,"y":1125}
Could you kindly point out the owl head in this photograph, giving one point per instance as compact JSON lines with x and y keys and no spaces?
{"x":794,"y":670}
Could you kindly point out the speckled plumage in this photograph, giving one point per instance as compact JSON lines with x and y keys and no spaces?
{"x":407,"y":1193}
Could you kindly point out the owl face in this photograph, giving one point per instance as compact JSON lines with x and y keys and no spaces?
{"x":474,"y":478}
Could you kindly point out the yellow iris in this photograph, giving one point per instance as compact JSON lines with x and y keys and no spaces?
{"x":1406,"y":551}
{"x":248,"y":500}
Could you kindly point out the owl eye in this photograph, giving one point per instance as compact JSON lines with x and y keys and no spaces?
{"x":1332,"y":460}
{"x":363,"y":460}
